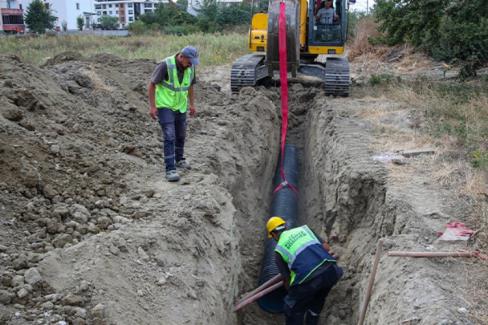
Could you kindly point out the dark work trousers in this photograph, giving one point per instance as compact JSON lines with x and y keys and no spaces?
{"x":173,"y":125}
{"x":306,"y":300}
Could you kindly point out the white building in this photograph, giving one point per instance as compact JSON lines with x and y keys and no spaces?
{"x":67,"y":11}
{"x":125,"y":10}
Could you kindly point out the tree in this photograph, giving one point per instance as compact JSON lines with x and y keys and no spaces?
{"x":183,"y":4}
{"x":167,"y":14}
{"x":38,"y":18}
{"x":109,"y":22}
{"x":80,"y":21}
{"x":446,"y":29}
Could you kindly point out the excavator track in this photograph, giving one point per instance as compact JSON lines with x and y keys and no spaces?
{"x":247,"y":71}
{"x":337,"y":77}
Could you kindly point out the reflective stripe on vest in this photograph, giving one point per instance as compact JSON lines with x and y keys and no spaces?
{"x":294,"y":245}
{"x":171,"y":93}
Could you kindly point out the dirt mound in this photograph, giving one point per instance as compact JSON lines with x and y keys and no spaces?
{"x":90,"y":231}
{"x":63,"y":57}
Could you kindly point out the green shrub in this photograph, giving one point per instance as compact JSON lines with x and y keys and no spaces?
{"x":447,"y":30}
{"x":479,"y":159}
{"x":109,"y":22}
{"x":80,"y":22}
{"x":380,"y":79}
{"x":137,"y":27}
{"x":181,"y":29}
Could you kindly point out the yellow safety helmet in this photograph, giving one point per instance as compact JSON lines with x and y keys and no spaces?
{"x":273,"y":223}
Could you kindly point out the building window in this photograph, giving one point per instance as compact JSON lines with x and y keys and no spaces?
{"x":99,"y":13}
{"x":131,"y":12}
{"x":148,"y":5}
{"x":131,"y":18}
{"x":104,"y":6}
{"x":129,"y":5}
{"x":77,"y":6}
{"x":110,"y":12}
{"x":104,"y":13}
{"x":116,"y":12}
{"x":110,"y":6}
{"x":98,"y":7}
{"x":12,"y":20}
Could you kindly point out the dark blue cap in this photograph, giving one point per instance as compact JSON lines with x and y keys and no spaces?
{"x":191,"y":53}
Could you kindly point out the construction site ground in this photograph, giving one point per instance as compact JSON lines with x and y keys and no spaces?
{"x":91,"y":233}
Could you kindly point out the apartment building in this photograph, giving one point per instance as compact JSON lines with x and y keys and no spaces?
{"x":11,"y":16}
{"x":125,"y":10}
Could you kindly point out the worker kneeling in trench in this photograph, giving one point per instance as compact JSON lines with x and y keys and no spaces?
{"x":309,"y":269}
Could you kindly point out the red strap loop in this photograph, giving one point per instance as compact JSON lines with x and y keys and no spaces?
{"x":284,"y":95}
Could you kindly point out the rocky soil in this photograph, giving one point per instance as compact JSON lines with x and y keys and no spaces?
{"x":91,"y":233}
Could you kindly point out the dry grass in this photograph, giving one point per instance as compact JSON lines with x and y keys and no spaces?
{"x":452,"y":111}
{"x":215,"y":49}
{"x":453,"y":118}
{"x":365,"y":28}
{"x":476,"y":183}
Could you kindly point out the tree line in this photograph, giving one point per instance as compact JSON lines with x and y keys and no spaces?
{"x":450,"y":30}
{"x":171,"y":17}
{"x":211,"y":16}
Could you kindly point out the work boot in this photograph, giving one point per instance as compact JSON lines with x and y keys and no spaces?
{"x":311,"y":318}
{"x":183,"y":164}
{"x":172,"y":176}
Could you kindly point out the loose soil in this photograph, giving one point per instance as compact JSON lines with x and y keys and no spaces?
{"x":91,"y":233}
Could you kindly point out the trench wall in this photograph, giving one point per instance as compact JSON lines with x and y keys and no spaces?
{"x":348,"y":197}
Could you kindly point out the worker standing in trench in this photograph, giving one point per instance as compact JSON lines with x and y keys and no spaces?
{"x":309,"y":269}
{"x":170,"y":94}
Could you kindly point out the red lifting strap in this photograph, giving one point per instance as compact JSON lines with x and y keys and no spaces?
{"x":284,"y":94}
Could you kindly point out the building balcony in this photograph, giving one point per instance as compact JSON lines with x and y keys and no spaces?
{"x":13,"y":20}
{"x":17,"y":28}
{"x":11,"y":12}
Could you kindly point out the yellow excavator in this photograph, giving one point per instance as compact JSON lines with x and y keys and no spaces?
{"x":311,"y":31}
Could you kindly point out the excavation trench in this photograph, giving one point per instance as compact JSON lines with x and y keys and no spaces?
{"x":352,"y":200}
{"x":113,"y":243}
{"x":341,"y":192}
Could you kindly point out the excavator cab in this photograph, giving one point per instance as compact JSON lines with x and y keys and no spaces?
{"x":313,"y":28}
{"x":329,"y":23}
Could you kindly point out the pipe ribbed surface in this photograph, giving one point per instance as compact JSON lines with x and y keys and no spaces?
{"x":284,"y":204}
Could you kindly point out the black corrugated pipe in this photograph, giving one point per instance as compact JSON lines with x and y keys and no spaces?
{"x":284,"y":205}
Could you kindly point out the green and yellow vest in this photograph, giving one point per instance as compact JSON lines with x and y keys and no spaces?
{"x":303,"y":253}
{"x":171,"y":93}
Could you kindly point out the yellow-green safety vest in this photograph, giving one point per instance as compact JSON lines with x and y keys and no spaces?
{"x":303,"y":252}
{"x":171,"y":93}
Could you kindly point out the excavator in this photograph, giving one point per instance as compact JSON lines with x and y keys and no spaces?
{"x":307,"y":37}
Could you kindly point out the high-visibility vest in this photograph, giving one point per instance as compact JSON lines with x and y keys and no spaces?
{"x":171,"y":93}
{"x":302,"y":252}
